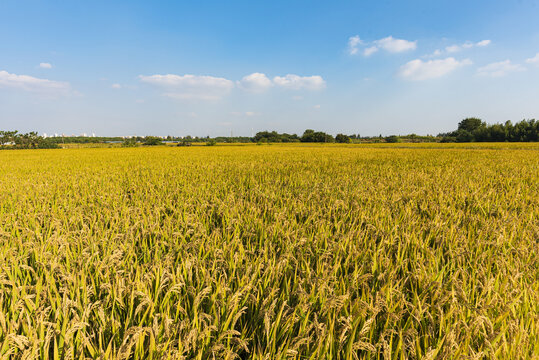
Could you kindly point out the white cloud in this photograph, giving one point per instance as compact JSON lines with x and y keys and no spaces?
{"x":353,"y":43}
{"x":190,"y":87}
{"x":499,"y":69}
{"x":370,"y":50}
{"x":32,"y":84}
{"x":453,"y":48}
{"x":193,"y":87}
{"x":317,"y":106}
{"x":483,"y":43}
{"x":256,"y":82}
{"x":533,"y":60}
{"x":423,"y":70}
{"x":45,"y":66}
{"x":296,"y":82}
{"x":389,"y":44}
{"x":456,"y":48}
{"x":116,"y":86}
{"x":393,"y":45}
{"x":246,"y":113}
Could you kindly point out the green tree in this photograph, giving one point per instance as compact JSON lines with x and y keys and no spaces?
{"x":129,"y":142}
{"x":27,"y":141}
{"x":341,"y":138}
{"x":311,"y":136}
{"x":470,"y":124}
{"x":464,"y":136}
{"x":152,"y":141}
{"x":7,"y":137}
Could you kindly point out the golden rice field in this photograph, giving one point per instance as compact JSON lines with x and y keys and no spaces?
{"x":270,"y":252}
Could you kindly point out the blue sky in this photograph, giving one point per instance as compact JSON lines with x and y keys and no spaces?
{"x":216,"y":68}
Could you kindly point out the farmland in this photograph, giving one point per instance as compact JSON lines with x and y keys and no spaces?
{"x":270,"y":252}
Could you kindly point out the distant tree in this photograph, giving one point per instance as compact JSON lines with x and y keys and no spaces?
{"x":473,"y":129}
{"x":129,"y":142}
{"x":152,"y":141}
{"x":27,"y":141}
{"x":274,"y":137}
{"x":184,"y":142}
{"x":211,"y":142}
{"x":7,"y":137}
{"x":470,"y":124}
{"x":341,"y":138}
{"x":311,"y":136}
{"x":464,"y":136}
{"x":448,"y":139}
{"x":308,"y":136}
{"x":393,"y":139}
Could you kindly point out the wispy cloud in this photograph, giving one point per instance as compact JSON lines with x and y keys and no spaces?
{"x":296,"y":82}
{"x":194,"y":87}
{"x":246,"y":113}
{"x":418,"y":70}
{"x":483,"y":43}
{"x":116,"y":86}
{"x":190,"y":87}
{"x":33,"y":84}
{"x":389,"y":44}
{"x":370,"y":50}
{"x":44,"y":65}
{"x":451,"y":49}
{"x":353,"y":44}
{"x":500,"y":69}
{"x":467,"y":45}
{"x":534,"y":60}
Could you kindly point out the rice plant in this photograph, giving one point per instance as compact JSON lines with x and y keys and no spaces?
{"x":270,"y":252}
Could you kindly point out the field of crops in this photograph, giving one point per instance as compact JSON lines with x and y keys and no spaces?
{"x":270,"y":252}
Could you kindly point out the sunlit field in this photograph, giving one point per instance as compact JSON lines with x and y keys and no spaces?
{"x":382,"y":251}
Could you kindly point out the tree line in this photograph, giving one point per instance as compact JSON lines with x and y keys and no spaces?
{"x":312,"y":136}
{"x":476,"y":130}
{"x":31,"y":140}
{"x":468,"y":130}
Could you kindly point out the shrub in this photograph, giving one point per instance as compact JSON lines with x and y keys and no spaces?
{"x":152,"y":141}
{"x":129,"y":143}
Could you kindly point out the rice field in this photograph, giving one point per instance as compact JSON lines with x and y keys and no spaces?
{"x":270,"y":252}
